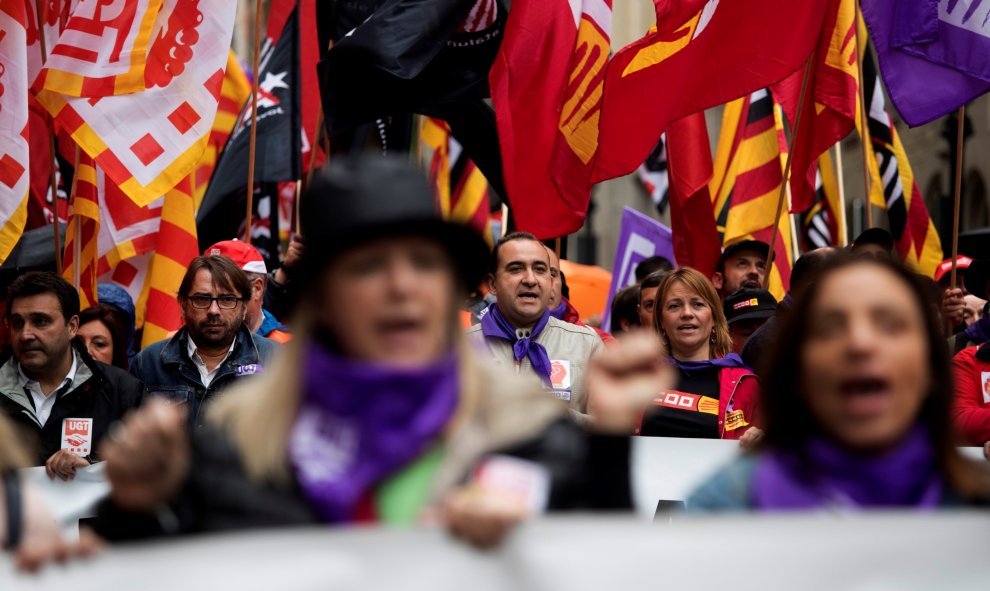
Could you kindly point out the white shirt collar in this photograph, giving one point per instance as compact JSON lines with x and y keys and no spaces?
{"x":24,"y":380}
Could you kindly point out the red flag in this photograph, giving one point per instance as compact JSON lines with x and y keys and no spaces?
{"x":692,"y":221}
{"x":547,"y":86}
{"x":703,"y":54}
{"x":829,"y":111}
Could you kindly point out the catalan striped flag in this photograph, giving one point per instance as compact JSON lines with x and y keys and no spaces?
{"x":829,"y":110}
{"x":234,"y":92}
{"x":138,"y":87}
{"x":177,"y":246}
{"x":14,"y":148}
{"x":894,"y":187}
{"x":748,"y":172}
{"x":81,"y":259}
{"x":461,"y":189}
{"x":821,"y":225}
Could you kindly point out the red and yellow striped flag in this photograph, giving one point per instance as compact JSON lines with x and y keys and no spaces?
{"x":461,"y":189}
{"x":82,"y":237}
{"x":177,"y":246}
{"x":748,"y":172}
{"x":233,"y":94}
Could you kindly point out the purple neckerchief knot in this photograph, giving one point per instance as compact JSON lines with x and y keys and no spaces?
{"x":360,"y":423}
{"x":495,"y":325}
{"x":560,"y":310}
{"x":979,"y":331}
{"x":827,"y":475}
{"x":730,"y":360}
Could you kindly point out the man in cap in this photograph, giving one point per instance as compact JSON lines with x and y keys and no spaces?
{"x":874,"y":242}
{"x":742,"y":265}
{"x":518,"y":330}
{"x":214,"y":348}
{"x":259,"y":320}
{"x":746,"y":311}
{"x":977,"y":282}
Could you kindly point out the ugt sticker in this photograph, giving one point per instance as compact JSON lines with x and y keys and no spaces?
{"x":77,"y":436}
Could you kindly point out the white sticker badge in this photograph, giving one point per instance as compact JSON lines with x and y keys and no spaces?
{"x":986,"y":386}
{"x":77,"y":436}
{"x":560,"y":374}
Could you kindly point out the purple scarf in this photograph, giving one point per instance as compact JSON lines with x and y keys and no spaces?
{"x":730,"y":360}
{"x":829,"y":476}
{"x":979,"y":331}
{"x":496,"y":326}
{"x":360,"y":423}
{"x":560,"y":310}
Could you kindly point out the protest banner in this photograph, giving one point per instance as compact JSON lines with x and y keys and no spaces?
{"x":640,"y":237}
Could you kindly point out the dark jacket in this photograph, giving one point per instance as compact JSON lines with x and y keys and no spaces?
{"x":100,"y":392}
{"x":167,"y":371}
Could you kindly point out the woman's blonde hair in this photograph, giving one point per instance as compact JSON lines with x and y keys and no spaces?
{"x":721,"y":343}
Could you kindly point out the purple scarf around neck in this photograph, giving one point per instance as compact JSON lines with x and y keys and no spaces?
{"x":496,"y":326}
{"x":730,"y":360}
{"x":829,"y":476}
{"x":979,"y":331}
{"x":560,"y":310}
{"x":360,"y":423}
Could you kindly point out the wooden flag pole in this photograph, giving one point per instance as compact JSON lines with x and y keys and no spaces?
{"x":53,"y":178}
{"x":76,"y":225}
{"x":254,"y":120}
{"x":957,"y":192}
{"x":843,"y":237}
{"x":787,"y":169}
{"x":865,"y":125}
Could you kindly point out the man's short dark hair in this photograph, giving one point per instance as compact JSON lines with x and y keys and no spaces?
{"x":650,"y":281}
{"x":651,"y":265}
{"x":807,"y":266}
{"x":624,"y":307}
{"x":224,"y":272}
{"x":40,"y":282}
{"x":493,"y":262}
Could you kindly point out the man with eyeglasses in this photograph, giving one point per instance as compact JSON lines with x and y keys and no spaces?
{"x":214,"y":348}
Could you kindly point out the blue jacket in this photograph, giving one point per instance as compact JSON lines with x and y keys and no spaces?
{"x":167,"y":371}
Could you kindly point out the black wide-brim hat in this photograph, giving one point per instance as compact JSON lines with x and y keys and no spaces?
{"x":363,"y":198}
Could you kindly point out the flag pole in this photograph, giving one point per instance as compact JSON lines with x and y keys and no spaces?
{"x":253,"y":137}
{"x":865,"y":122}
{"x":76,"y":226}
{"x":843,"y":237}
{"x":957,"y":192}
{"x":787,"y":169}
{"x":53,"y":179}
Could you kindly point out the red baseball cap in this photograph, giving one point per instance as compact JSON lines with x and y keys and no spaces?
{"x":243,"y":254}
{"x":962,"y":262}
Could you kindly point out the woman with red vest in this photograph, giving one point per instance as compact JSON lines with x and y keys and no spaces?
{"x":716,"y":395}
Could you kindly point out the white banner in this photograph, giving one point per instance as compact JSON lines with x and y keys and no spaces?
{"x":865,"y":552}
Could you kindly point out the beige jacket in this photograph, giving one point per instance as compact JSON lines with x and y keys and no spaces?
{"x":569,"y":347}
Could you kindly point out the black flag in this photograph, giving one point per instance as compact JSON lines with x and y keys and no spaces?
{"x":278,"y":144}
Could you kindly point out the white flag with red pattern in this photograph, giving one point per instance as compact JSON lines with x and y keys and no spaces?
{"x":137,"y":84}
{"x":14,"y":147}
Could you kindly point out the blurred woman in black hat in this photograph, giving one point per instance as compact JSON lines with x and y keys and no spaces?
{"x":376,"y":411}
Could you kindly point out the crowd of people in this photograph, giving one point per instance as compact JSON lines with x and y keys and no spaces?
{"x":429,"y":378}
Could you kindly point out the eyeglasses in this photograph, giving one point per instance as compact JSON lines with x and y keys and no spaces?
{"x":224,"y":302}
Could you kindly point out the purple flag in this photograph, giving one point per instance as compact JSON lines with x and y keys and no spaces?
{"x":933,"y":53}
{"x":640,"y":237}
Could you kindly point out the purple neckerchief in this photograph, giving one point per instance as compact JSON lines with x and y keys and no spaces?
{"x":827,"y":475}
{"x":979,"y":331}
{"x":496,"y":326}
{"x":730,"y":360}
{"x":560,"y":310}
{"x":360,"y":423}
